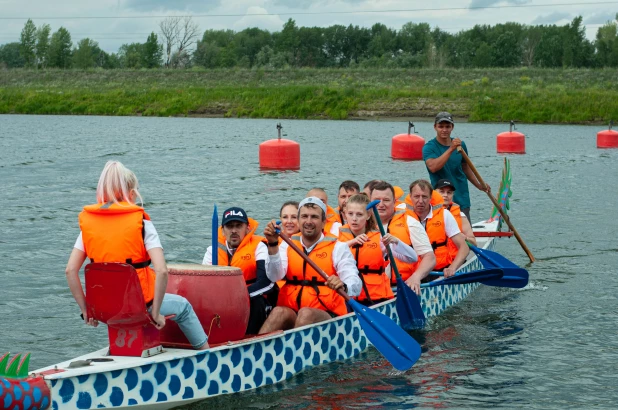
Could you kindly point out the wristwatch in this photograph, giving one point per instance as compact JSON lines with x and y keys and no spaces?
{"x":273,"y":244}
{"x":345,"y":288}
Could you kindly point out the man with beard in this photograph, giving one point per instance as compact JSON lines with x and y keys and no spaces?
{"x":240,"y":247}
{"x":346,"y":190}
{"x":306,"y":297}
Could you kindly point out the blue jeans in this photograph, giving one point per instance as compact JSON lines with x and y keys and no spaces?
{"x":185,"y":318}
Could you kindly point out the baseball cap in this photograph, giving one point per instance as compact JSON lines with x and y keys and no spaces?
{"x":234,"y":214}
{"x":443,"y":183}
{"x":312,"y":200}
{"x":444,"y":117}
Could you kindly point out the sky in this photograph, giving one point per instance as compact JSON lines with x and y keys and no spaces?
{"x":141,"y":17}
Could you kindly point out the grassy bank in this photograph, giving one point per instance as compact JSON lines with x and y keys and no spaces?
{"x":533,"y":96}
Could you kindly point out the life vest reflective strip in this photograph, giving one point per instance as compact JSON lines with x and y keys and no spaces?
{"x":370,"y":263}
{"x":244,"y":256}
{"x":436,"y":232}
{"x":300,"y":276}
{"x":398,"y":227}
{"x":114,"y":232}
{"x":455,"y":210}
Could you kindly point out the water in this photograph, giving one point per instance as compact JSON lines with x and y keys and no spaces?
{"x":552,"y":345}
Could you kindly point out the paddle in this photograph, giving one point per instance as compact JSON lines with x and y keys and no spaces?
{"x":481,"y":276}
{"x":495,"y":202}
{"x":398,"y":347}
{"x":514,"y":276}
{"x":408,"y":306}
{"x":215,"y":237}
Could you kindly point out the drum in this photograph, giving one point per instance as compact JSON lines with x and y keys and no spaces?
{"x":219,"y":297}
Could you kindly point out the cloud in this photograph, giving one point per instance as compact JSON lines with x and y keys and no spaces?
{"x":552,"y":18}
{"x":487,"y":3}
{"x":600,"y":18}
{"x":306,"y":4}
{"x":270,"y":23}
{"x":180,"y":5}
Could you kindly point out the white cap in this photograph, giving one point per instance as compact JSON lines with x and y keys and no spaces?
{"x":312,"y":200}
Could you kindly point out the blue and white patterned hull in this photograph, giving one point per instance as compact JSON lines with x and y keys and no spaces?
{"x":180,"y":376}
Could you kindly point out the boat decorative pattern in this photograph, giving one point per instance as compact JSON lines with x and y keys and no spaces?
{"x":229,"y":369}
{"x":17,"y":390}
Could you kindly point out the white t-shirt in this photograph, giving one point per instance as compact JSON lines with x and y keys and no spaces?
{"x":343,"y":261}
{"x":151,"y":238}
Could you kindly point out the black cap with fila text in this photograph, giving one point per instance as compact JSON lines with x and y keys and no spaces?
{"x":444,"y":183}
{"x":234,"y":214}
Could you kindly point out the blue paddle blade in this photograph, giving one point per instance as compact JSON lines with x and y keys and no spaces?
{"x":513,"y":278}
{"x":398,"y":347}
{"x":409,"y":310}
{"x":481,"y":276}
{"x":491,"y":259}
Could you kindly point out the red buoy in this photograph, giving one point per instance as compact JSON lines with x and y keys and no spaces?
{"x":280,"y":154}
{"x":608,"y":138}
{"x":219,"y":298}
{"x":511,"y":142}
{"x":407,"y":147}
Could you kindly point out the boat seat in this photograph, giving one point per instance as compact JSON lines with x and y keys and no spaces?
{"x":114,"y":296}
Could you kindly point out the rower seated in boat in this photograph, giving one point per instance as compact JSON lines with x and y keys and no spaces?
{"x":333,"y":222}
{"x":239,"y":246}
{"x":446,"y":189}
{"x":306,"y":297}
{"x":346,"y":190}
{"x":117,"y":230}
{"x":369,"y":250}
{"x":441,"y":228}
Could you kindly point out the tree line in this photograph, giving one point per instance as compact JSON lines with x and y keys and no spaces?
{"x":415,"y":45}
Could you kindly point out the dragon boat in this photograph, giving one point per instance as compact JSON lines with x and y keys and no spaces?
{"x":172,"y":377}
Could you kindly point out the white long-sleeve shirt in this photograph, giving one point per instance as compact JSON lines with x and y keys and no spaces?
{"x":343,"y":261}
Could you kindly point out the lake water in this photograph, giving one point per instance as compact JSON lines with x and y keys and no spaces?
{"x":551,"y":345}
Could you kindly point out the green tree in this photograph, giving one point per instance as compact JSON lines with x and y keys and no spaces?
{"x":288,"y":41}
{"x":60,"y":55}
{"x":505,"y":51}
{"x":207,"y":54}
{"x":86,"y":54}
{"x":42,"y":45}
{"x":10,"y":56}
{"x":483,"y":56}
{"x":28,"y":43}
{"x":130,"y":55}
{"x":152,"y":52}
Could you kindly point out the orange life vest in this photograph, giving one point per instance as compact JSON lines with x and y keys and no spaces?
{"x":398,"y":227}
{"x":455,"y":210}
{"x":339,"y":216}
{"x":113,"y":232}
{"x":331,"y":217}
{"x":305,"y":287}
{"x":436,"y":201}
{"x":434,"y":227}
{"x":400,"y":195}
{"x":244,"y":257}
{"x":370,"y":263}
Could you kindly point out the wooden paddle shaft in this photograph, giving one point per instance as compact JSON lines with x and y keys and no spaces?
{"x":505,"y":217}
{"x":310,"y":262}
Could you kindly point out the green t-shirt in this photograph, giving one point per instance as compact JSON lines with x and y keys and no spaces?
{"x":452,"y":170}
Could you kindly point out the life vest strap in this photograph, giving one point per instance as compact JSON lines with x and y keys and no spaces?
{"x":436,"y":245}
{"x":315,"y":285}
{"x":138,"y":265}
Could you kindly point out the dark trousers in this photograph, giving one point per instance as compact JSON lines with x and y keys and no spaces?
{"x":260,"y":308}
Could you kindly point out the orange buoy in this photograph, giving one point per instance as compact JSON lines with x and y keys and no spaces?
{"x":511,"y":142}
{"x":608,"y":138}
{"x":280,"y":154}
{"x":407,"y":147}
{"x":218,"y":295}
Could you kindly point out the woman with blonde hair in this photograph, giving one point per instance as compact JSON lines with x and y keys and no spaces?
{"x":369,"y":250}
{"x":115,"y":229}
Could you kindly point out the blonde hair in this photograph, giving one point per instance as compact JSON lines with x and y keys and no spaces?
{"x":117,"y":183}
{"x":363,"y":199}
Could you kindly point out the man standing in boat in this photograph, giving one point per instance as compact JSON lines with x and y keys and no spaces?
{"x":346,"y":190}
{"x":408,"y":230}
{"x":306,"y":297}
{"x":443,"y":161}
{"x":441,"y":228}
{"x":240,"y":247}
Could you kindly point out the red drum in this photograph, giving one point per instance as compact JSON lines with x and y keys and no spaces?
{"x":219,"y":297}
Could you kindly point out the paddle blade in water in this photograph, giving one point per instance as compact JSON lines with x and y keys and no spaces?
{"x":513,"y":278}
{"x":491,"y":259}
{"x":468,"y":277}
{"x":398,"y":347}
{"x":409,"y":310}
